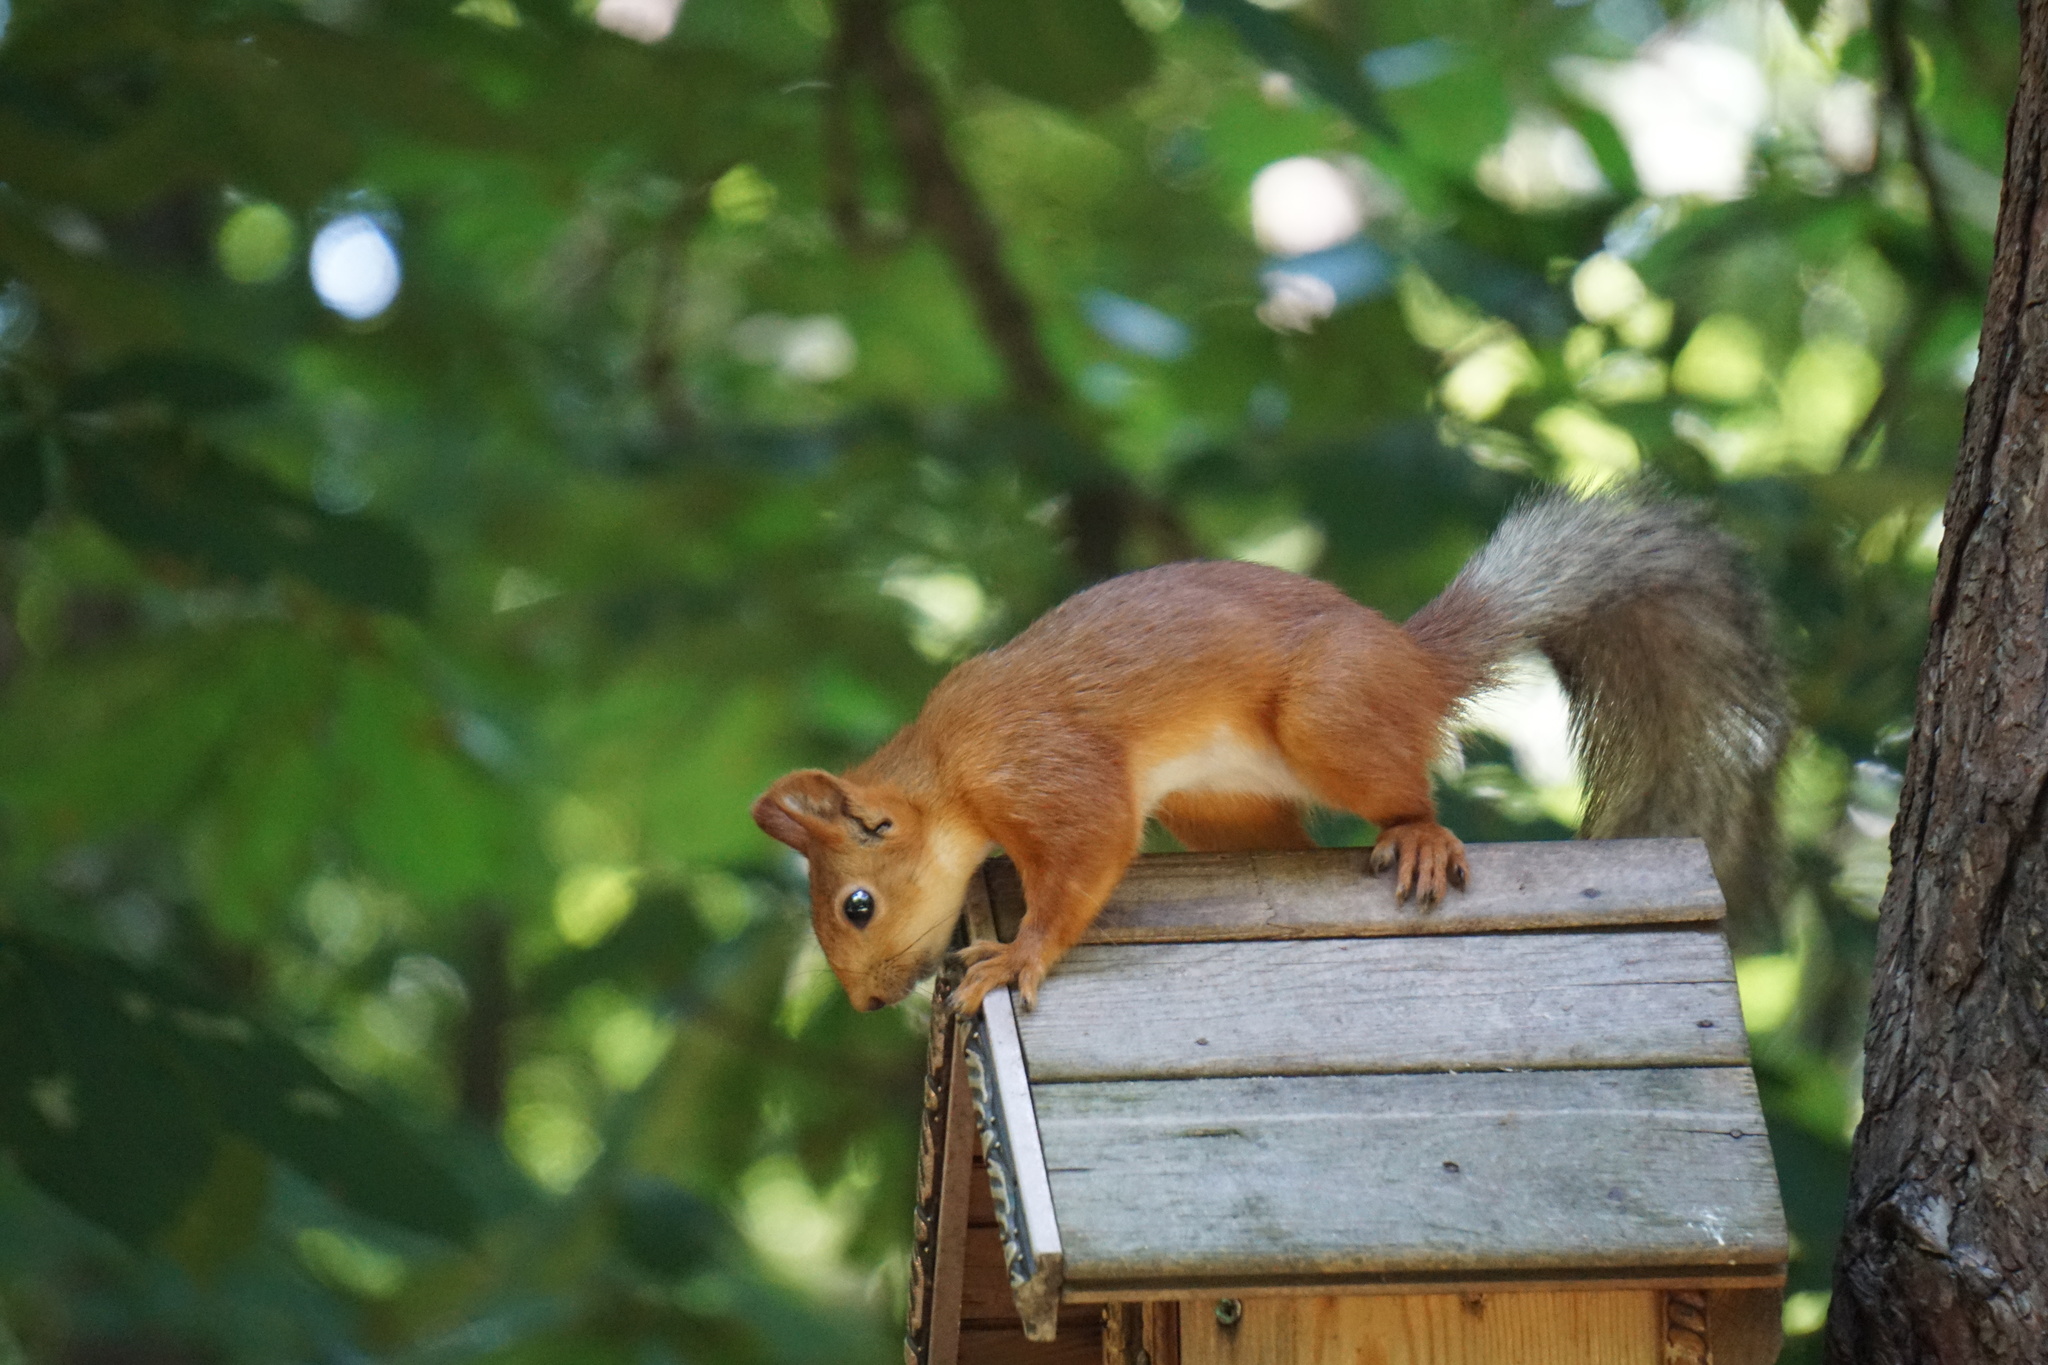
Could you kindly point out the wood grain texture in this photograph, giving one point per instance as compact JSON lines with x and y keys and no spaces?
{"x":1746,"y":1326}
{"x":1327,"y":893}
{"x":1011,"y":1082}
{"x":956,"y":1174}
{"x":1162,"y":1331}
{"x":1661,"y":997}
{"x":1123,"y":1334}
{"x":1004,"y":1114}
{"x":985,"y":1282}
{"x":1613,"y":1328}
{"x":1079,"y":1343}
{"x":985,"y":1299}
{"x":1172,"y":1185}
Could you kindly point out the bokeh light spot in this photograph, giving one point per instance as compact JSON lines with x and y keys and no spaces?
{"x":591,"y":899}
{"x":1723,"y":360}
{"x":1769,"y":986}
{"x":1805,"y":1312}
{"x":742,"y":197}
{"x":644,"y":21}
{"x":255,"y":243}
{"x":1482,"y":381}
{"x":1305,"y":204}
{"x":1605,"y":287}
{"x":1542,"y":164}
{"x":355,"y":267}
{"x":1594,"y":452}
{"x":950,"y":609}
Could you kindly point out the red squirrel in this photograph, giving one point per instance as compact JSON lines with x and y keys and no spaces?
{"x":1222,"y":698}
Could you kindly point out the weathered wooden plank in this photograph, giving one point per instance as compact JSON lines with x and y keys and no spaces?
{"x":1079,"y":1344}
{"x":1123,"y":1334}
{"x":1141,"y":1333}
{"x":1612,"y":1328}
{"x":1746,"y":1326}
{"x":1005,"y":1115}
{"x":956,"y":1173}
{"x":985,"y":1299}
{"x":981,"y":1209}
{"x":1327,"y":893}
{"x":1183,"y":1185}
{"x":985,"y":1282}
{"x":1162,"y":1331}
{"x":1655,"y":997}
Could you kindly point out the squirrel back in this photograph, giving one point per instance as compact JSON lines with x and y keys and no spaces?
{"x":1223,"y":698}
{"x":1661,"y":641}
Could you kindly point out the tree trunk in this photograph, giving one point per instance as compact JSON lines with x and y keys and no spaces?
{"x":1944,"y":1256}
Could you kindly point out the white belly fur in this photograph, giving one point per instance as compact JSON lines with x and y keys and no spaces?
{"x":1228,"y":763}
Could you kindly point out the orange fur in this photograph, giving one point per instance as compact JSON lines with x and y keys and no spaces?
{"x":1221,"y":697}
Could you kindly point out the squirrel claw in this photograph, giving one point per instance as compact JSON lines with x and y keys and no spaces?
{"x":979,"y":951}
{"x":1428,"y":858}
{"x":991,"y":967}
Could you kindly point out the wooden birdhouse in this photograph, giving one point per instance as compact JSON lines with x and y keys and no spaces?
{"x":1265,"y":1114}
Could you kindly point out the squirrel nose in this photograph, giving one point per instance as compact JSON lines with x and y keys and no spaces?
{"x":875,"y":1002}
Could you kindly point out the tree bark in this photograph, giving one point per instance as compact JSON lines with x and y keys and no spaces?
{"x":1944,"y":1255}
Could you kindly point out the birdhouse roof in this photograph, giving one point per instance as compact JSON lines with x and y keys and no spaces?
{"x":1259,"y":1073}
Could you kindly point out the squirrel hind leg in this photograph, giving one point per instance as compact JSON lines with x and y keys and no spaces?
{"x":1359,"y":729}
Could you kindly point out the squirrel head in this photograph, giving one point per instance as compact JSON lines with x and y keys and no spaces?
{"x":886,"y":880}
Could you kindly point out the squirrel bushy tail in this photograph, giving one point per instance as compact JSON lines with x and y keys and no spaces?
{"x":1662,"y":642}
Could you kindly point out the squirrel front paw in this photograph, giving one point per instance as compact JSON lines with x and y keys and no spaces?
{"x":990,"y":965}
{"x":1428,"y":860}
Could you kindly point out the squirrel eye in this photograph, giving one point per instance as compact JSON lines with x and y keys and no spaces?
{"x":859,"y":907}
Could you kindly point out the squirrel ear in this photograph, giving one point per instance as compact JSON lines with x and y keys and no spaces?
{"x":803,"y":809}
{"x":869,"y":811}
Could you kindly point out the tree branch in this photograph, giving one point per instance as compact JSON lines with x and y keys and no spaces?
{"x":947,"y":204}
{"x":483,"y":1057}
{"x":1897,"y":370}
{"x":843,"y":202}
{"x":1901,"y":87}
{"x":1101,"y":502}
{"x":659,"y":362}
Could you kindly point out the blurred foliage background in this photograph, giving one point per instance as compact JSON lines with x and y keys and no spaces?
{"x":453,"y":455}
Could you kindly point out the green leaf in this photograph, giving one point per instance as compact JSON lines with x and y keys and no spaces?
{"x":157,"y":494}
{"x":96,"y":1105}
{"x":270,"y":1092}
{"x":1078,"y":54}
{"x":252,"y":847}
{"x":224,"y":1218}
{"x":419,"y":811}
{"x":1609,"y":152}
{"x":654,"y":948}
{"x":95,"y":747}
{"x":666,"y":1228}
{"x":116,"y":1086}
{"x":1305,"y":53}
{"x":23,"y":488}
{"x":1803,"y":12}
{"x":183,"y":382}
